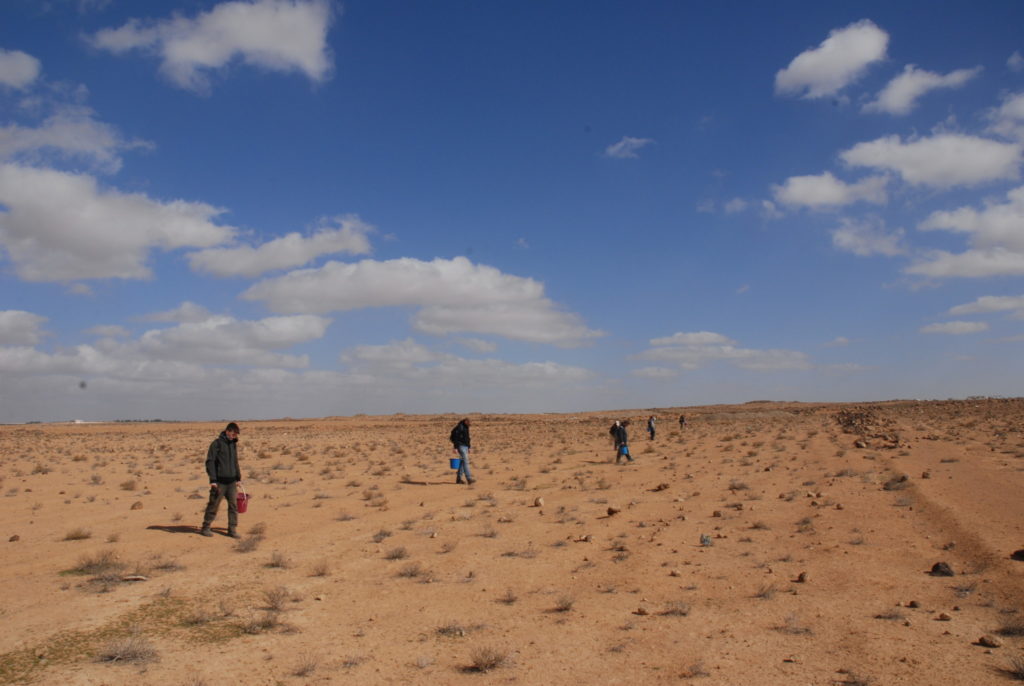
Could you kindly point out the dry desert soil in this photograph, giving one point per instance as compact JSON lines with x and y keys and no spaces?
{"x":765,"y":543}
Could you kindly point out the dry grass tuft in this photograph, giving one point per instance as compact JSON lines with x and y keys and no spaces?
{"x":132,"y":649}
{"x":78,"y":534}
{"x":484,"y":659}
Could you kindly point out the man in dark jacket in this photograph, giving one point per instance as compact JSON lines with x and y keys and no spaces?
{"x":225,"y":476}
{"x":621,"y":441}
{"x":460,"y":441}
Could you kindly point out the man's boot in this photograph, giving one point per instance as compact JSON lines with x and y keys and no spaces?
{"x":205,"y":531}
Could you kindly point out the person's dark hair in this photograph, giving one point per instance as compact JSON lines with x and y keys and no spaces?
{"x":232,"y":427}
{"x":465,"y":420}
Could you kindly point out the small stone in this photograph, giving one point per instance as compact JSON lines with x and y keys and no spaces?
{"x":716,"y":513}
{"x":642,"y":611}
{"x":860,"y":443}
{"x":990,"y":641}
{"x":538,"y":502}
{"x":674,"y":572}
{"x":706,"y":541}
{"x":926,"y":475}
{"x":137,"y":505}
{"x":14,"y":538}
{"x":943,"y":617}
{"x":318,"y":597}
{"x":941,"y":569}
{"x":613,"y":511}
{"x":839,"y":506}
{"x":914,"y":604}
{"x":1017,"y":555}
{"x":801,"y":578}
{"x":433,"y":534}
{"x":134,"y":577}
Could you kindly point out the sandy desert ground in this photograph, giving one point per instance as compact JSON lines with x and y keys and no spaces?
{"x":363,"y":562}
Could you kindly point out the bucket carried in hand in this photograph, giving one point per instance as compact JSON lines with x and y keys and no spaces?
{"x":455,"y":462}
{"x":242,"y":500}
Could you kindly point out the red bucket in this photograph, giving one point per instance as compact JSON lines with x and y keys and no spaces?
{"x":242,"y":500}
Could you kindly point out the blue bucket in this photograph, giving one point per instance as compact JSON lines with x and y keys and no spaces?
{"x":455,"y":462}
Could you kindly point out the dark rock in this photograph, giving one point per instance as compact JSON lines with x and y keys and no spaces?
{"x":941,"y":569}
{"x":990,"y":642}
{"x":1018,"y":555}
{"x":14,"y":538}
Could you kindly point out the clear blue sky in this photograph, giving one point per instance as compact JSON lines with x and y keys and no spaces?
{"x":267,"y":208}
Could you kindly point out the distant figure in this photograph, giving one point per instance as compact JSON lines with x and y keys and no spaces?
{"x":650,"y":426}
{"x":460,"y":442}
{"x":622,"y":442}
{"x":682,"y":421}
{"x":225,"y":476}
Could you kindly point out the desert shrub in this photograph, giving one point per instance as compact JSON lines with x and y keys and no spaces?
{"x":129,"y":485}
{"x":133,"y":649}
{"x":676,"y":608}
{"x":98,"y":563}
{"x":399,"y":553}
{"x":275,"y":598}
{"x":484,"y":659}
{"x":77,"y":534}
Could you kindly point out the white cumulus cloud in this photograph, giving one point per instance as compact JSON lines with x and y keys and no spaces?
{"x":226,"y":340}
{"x":456,"y":295}
{"x":277,"y":35}
{"x":994,"y":233}
{"x":868,"y":237}
{"x":71,"y":132}
{"x":941,"y":161}
{"x":825,"y":191}
{"x":627,"y":147}
{"x":695,"y":350}
{"x":955,"y":328}
{"x":286,"y":252}
{"x":18,"y":327}
{"x":840,"y":60}
{"x":62,"y":227}
{"x":1008,"y":118}
{"x":1015,"y":61}
{"x":990,"y":303}
{"x":18,"y":69}
{"x":900,"y":95}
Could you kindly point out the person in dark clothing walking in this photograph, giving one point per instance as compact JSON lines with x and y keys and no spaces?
{"x":225,"y":476}
{"x":460,"y":442}
{"x":650,"y":426}
{"x":621,"y":441}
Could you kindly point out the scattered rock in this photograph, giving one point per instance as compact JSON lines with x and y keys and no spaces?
{"x":137,"y":505}
{"x":839,"y":506}
{"x":14,"y":538}
{"x":801,"y":578}
{"x":860,"y":443}
{"x":716,"y":513}
{"x":538,"y":502}
{"x":706,"y":541}
{"x":926,"y":474}
{"x":660,"y":487}
{"x":614,"y":511}
{"x":988,"y":641}
{"x":134,"y":577}
{"x":944,"y":617}
{"x":949,"y":546}
{"x":1018,"y":555}
{"x":674,"y":572}
{"x":914,"y":604}
{"x":941,"y":569}
{"x":642,"y":611}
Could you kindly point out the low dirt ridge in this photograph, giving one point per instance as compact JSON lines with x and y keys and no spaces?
{"x":767,"y":543}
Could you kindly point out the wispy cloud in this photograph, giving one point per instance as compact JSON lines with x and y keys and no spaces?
{"x":957,"y":328}
{"x":901,"y":94}
{"x":627,"y":147}
{"x":286,"y":252}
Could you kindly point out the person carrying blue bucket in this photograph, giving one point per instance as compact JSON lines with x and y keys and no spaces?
{"x":621,"y":441}
{"x":460,"y":442}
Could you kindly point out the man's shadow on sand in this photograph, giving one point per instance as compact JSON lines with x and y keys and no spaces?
{"x":414,"y":482}
{"x":184,"y":529}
